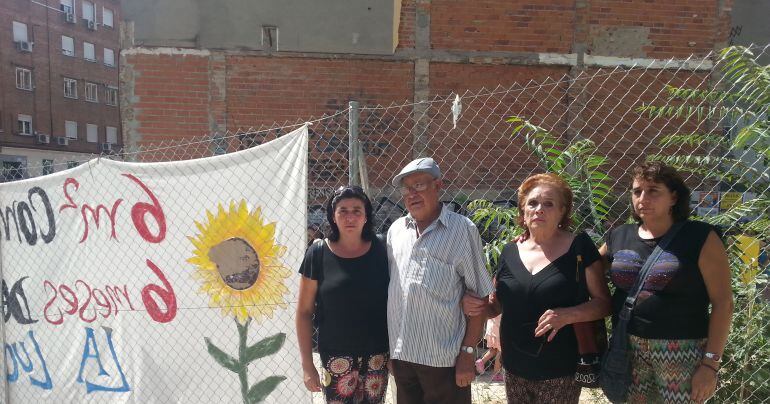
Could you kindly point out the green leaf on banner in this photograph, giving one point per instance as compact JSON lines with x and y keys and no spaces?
{"x":222,"y":357}
{"x":265,"y":347}
{"x":260,"y":390}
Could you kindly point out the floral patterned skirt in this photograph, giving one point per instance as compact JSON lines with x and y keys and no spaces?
{"x":355,"y":379}
{"x":562,"y":390}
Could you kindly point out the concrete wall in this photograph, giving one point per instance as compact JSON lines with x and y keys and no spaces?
{"x":347,"y":26}
{"x":751,"y":25}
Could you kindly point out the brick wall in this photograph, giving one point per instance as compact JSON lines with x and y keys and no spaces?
{"x":262,"y":91}
{"x":170,"y":94}
{"x":654,"y":28}
{"x":470,"y":45}
{"x":507,"y":26}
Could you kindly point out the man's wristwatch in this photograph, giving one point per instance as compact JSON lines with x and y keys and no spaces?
{"x":468,"y":349}
{"x":714,"y":357}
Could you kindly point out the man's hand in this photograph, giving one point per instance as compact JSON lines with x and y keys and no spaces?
{"x":464,"y":371}
{"x":474,"y":306}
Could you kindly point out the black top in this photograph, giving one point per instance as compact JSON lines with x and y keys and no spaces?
{"x":524,"y":298}
{"x":673,"y":303}
{"x":351,"y":301}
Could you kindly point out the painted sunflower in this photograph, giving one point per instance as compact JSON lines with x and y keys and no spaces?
{"x":238,"y":263}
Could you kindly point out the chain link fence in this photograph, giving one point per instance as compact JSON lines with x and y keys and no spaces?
{"x":706,"y":115}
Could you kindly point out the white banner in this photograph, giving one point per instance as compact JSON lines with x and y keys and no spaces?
{"x":156,"y":282}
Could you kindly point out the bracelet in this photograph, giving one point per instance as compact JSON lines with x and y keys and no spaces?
{"x":710,"y":367}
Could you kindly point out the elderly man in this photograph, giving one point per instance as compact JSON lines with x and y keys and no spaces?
{"x":435,"y":257}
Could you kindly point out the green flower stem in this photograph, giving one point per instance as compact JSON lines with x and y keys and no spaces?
{"x":243,"y":331}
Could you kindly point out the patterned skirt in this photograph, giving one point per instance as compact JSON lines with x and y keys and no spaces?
{"x":562,"y":390}
{"x":355,"y":379}
{"x":663,"y":369}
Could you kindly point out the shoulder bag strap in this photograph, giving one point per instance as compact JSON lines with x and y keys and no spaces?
{"x":582,"y":295}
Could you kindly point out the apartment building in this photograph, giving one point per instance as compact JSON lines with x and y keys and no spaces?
{"x":59,"y":92}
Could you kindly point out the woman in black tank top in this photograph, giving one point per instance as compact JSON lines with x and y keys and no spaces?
{"x":676,"y":344}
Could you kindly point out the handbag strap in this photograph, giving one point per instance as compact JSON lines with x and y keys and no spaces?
{"x":582,"y":292}
{"x":633,"y":293}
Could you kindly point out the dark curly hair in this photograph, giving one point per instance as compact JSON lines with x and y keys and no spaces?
{"x":347,"y":192}
{"x":656,"y":171}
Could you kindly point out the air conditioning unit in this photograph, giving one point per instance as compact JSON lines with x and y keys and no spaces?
{"x":106,"y":147}
{"x":69,"y":17}
{"x":62,"y":141}
{"x":43,"y":139}
{"x":24,"y":46}
{"x":91,"y":24}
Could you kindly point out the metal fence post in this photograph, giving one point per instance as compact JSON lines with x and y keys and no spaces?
{"x":353,"y":149}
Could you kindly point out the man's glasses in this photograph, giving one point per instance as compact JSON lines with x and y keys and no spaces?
{"x":418,"y":187}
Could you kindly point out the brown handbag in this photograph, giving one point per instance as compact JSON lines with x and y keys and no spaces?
{"x":591,"y":337}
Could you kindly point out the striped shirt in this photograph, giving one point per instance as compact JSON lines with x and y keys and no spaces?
{"x":428,"y":277}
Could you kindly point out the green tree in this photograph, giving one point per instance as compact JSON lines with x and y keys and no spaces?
{"x":576,"y":162}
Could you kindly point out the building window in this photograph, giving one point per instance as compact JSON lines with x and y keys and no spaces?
{"x":92,"y":133}
{"x":20,"y":32}
{"x":47,"y":166}
{"x":23,"y":79}
{"x":13,"y":170}
{"x":91,"y":92}
{"x":109,"y":57}
{"x":71,"y":129}
{"x":112,"y":135}
{"x":67,"y":8}
{"x":67,"y":45}
{"x":88,"y":52}
{"x":269,"y":37}
{"x":25,"y":124}
{"x":88,"y":11}
{"x":72,"y":164}
{"x":70,"y":88}
{"x":112,"y":95}
{"x":107,"y":17}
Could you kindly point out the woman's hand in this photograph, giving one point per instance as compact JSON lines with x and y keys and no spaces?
{"x":474,"y":306}
{"x":311,"y":379}
{"x":551,"y":322}
{"x":704,"y":384}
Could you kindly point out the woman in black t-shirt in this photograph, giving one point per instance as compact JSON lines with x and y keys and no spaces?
{"x":537,"y":290}
{"x":676,"y":344}
{"x":345,"y":284}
